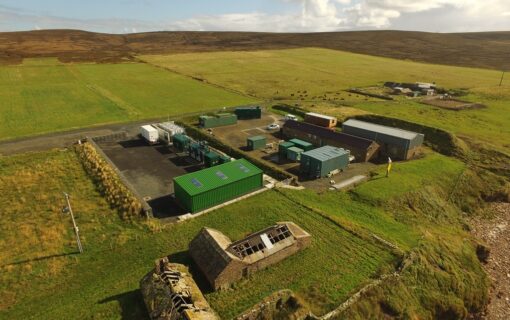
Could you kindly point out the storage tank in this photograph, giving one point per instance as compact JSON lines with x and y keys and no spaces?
{"x":149,"y":133}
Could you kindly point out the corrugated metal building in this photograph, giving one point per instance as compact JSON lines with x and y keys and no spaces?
{"x":206,"y":188}
{"x":305,"y":145}
{"x":256,"y":142}
{"x":395,"y":143}
{"x":248,"y":112}
{"x":218,"y":120}
{"x":362,"y":149}
{"x":318,"y":163}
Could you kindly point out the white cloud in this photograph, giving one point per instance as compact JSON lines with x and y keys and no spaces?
{"x":309,"y":16}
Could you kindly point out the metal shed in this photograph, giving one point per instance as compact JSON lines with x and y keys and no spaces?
{"x":318,"y":163}
{"x":283,"y":147}
{"x":395,"y":142}
{"x":294,"y":153}
{"x":206,"y":188}
{"x":218,"y":120}
{"x":256,"y":142}
{"x":248,"y":112}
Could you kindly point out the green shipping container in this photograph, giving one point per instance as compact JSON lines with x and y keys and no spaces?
{"x":283,"y":147}
{"x":211,"y":159}
{"x":206,"y":188}
{"x":294,"y":153}
{"x":256,"y":142}
{"x":218,"y":120}
{"x":246,"y":113}
{"x":224,"y":159}
{"x":306,"y":146}
{"x":318,"y":163}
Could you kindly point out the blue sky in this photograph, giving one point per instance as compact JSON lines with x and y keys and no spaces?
{"x":122,"y":16}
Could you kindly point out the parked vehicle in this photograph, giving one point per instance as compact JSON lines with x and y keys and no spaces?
{"x":290,"y":117}
{"x":273,"y":126}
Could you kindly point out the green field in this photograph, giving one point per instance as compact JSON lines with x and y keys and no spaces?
{"x":316,"y":77}
{"x":43,"y":95}
{"x":42,"y":278}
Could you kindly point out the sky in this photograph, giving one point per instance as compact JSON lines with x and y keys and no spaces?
{"x":129,"y":16}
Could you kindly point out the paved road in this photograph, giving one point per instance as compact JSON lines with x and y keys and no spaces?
{"x":66,"y":138}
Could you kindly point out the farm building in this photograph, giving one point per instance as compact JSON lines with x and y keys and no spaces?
{"x":247,"y":113}
{"x":362,"y":149}
{"x":217,"y":120}
{"x":170,"y":293}
{"x":256,"y":142}
{"x":318,"y":163}
{"x":395,"y":143}
{"x":224,"y":262}
{"x":206,"y":188}
{"x":320,"y":120}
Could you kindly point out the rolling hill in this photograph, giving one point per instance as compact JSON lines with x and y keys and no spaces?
{"x":486,"y":50}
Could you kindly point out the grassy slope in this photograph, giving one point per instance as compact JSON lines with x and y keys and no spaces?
{"x":323,"y":74}
{"x":36,"y":281}
{"x":45,"y":96}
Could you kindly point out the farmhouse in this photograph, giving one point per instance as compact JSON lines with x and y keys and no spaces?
{"x":223,"y":262}
{"x":395,"y":143}
{"x":170,"y":293}
{"x":361,"y":148}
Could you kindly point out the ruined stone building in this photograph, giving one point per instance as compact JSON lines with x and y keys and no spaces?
{"x":223,"y":262}
{"x":170,"y":293}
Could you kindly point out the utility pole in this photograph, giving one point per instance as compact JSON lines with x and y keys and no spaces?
{"x":68,"y":209}
{"x":501,"y":81}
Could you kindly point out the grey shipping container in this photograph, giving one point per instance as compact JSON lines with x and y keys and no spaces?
{"x":318,"y":163}
{"x":294,"y":153}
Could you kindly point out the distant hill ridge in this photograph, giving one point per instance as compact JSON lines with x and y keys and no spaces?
{"x":484,"y":49}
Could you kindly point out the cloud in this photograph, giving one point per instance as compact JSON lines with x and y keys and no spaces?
{"x":307,"y":16}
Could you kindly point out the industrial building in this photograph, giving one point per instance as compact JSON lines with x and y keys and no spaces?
{"x":320,"y":120}
{"x":395,"y":143}
{"x":362,"y":149}
{"x":217,"y":120}
{"x":224,"y":262}
{"x":206,"y":188}
{"x":249,"y":112}
{"x":320,"y":162}
{"x":170,"y":293}
{"x":256,"y":142}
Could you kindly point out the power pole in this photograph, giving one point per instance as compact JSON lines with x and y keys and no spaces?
{"x":68,"y":209}
{"x":501,"y":81}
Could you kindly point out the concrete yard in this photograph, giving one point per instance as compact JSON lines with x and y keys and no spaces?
{"x":150,"y":170}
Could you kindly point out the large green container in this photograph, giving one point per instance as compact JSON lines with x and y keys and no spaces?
{"x":206,"y":188}
{"x":218,"y":120}
{"x":224,"y":159}
{"x":246,"y":113}
{"x":181,"y":141}
{"x":211,"y":159}
{"x":318,"y":163}
{"x":283,"y":147}
{"x":256,"y":142}
{"x":306,"y":146}
{"x":294,"y":153}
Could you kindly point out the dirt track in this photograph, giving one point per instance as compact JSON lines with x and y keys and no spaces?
{"x":486,"y":50}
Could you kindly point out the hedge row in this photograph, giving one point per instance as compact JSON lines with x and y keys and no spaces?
{"x":108,"y":182}
{"x":269,"y":169}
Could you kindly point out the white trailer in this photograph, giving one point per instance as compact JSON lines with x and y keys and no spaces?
{"x":150,"y":134}
{"x":167,"y":130}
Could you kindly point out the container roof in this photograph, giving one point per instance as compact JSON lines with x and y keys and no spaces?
{"x":211,"y":178}
{"x":395,"y":132}
{"x":295,"y":149}
{"x":318,"y":115}
{"x":325,"y":133}
{"x":325,"y":153}
{"x":300,"y":142}
{"x":286,"y":144}
{"x":255,"y":138}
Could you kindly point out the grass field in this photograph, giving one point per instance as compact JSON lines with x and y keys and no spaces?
{"x":43,"y":95}
{"x":42,"y":277}
{"x":316,"y":78}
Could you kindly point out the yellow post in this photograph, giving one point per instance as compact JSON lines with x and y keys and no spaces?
{"x":388,"y":168}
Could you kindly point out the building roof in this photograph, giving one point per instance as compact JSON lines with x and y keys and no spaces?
{"x":214,"y":177}
{"x":295,"y":149}
{"x":390,"y":131}
{"x":325,"y":133}
{"x":256,"y":138}
{"x":325,"y":153}
{"x":299,"y":142}
{"x":318,"y":115}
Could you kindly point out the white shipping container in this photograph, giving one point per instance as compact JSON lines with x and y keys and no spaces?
{"x":149,"y":133}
